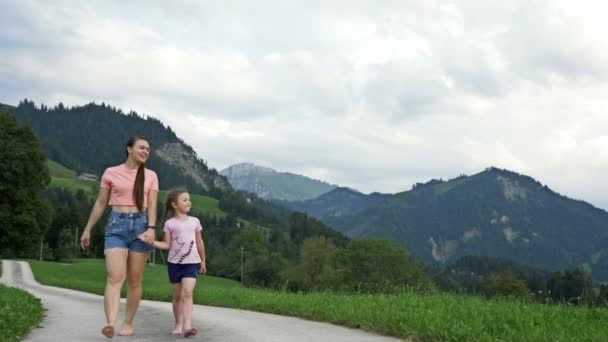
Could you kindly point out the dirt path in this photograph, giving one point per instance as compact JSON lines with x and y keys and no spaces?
{"x":78,"y":316}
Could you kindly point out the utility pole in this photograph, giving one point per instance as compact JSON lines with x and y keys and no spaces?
{"x":242,"y":250}
{"x":40,"y":249}
{"x":75,"y":242}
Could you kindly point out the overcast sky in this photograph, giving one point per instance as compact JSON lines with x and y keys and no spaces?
{"x":374,"y":95}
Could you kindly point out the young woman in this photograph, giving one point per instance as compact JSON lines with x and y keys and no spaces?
{"x":132,"y":191}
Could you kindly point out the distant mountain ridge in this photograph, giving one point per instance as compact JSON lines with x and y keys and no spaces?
{"x":90,"y":138}
{"x":268,"y":183}
{"x":495,"y":213}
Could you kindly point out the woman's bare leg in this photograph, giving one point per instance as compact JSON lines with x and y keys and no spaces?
{"x":116,"y":268}
{"x":136,"y":262}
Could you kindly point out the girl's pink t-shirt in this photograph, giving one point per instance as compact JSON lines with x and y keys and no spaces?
{"x":183,"y":240}
{"x":120,"y":180}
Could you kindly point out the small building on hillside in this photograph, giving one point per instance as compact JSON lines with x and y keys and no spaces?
{"x":88,"y":177}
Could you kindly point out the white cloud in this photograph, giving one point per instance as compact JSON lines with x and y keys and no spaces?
{"x":371,"y":95}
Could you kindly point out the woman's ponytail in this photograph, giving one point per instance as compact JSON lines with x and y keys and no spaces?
{"x":140,"y":179}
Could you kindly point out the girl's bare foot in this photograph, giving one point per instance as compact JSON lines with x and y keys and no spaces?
{"x":177,"y":331}
{"x":126,"y":330}
{"x":108,"y":331}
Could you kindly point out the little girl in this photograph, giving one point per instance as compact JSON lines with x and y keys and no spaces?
{"x":183,"y":238}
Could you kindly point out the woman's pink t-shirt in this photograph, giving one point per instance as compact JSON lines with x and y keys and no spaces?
{"x":120,"y":180}
{"x":183,"y":240}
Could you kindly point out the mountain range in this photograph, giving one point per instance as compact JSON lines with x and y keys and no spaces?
{"x":268,"y":183}
{"x":495,"y":213}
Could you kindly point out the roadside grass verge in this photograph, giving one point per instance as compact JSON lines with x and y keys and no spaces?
{"x":424,"y":317}
{"x":19,"y":313}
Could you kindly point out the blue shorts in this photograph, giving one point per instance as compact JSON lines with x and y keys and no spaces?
{"x":179,"y":271}
{"x":122,"y":231}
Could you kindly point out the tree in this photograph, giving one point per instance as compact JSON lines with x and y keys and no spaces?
{"x":317,"y":262}
{"x":317,"y":267}
{"x":376,"y":265}
{"x":570,"y":286}
{"x":24,"y":216}
{"x":505,"y":284}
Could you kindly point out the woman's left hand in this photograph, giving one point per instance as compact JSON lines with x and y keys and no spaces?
{"x":147,"y":236}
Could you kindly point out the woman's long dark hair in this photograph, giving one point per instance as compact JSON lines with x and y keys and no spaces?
{"x":138,"y":185}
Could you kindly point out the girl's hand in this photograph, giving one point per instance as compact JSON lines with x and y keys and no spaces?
{"x":146,"y":238}
{"x":85,"y":239}
{"x":203,"y":268}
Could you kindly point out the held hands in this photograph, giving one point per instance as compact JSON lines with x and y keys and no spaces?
{"x":147,"y":237}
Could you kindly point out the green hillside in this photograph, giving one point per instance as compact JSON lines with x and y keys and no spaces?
{"x":200,"y":204}
{"x":62,"y":177}
{"x":74,"y":184}
{"x":59,"y":171}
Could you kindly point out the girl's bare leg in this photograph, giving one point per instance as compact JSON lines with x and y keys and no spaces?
{"x":187,"y":290}
{"x":178,"y":311}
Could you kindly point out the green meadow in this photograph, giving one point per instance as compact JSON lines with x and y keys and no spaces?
{"x":74,"y":184}
{"x":420,"y":317}
{"x":19,"y":313}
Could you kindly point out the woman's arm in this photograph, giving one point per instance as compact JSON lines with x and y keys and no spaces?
{"x":150,"y":234}
{"x":100,"y":205}
{"x":200,"y":246}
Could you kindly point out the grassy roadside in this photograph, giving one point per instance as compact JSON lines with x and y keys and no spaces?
{"x":19,"y":313}
{"x":436,"y":317}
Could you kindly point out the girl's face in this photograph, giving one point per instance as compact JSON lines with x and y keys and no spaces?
{"x":182,"y":204}
{"x":140,"y":151}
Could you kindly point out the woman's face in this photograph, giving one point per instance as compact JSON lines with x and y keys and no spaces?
{"x":140,"y":151}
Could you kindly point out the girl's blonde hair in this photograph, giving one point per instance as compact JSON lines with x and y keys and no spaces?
{"x":171,"y":198}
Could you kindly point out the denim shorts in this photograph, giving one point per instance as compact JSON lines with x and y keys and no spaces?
{"x":122,"y":231}
{"x":179,"y":271}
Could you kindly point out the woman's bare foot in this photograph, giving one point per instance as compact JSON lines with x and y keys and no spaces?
{"x":126,"y":330}
{"x":108,"y":331}
{"x":190,"y":332}
{"x":177,"y":331}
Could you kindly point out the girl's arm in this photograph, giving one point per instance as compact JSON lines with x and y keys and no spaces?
{"x":200,"y":246}
{"x":165,"y":244}
{"x":100,"y":205}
